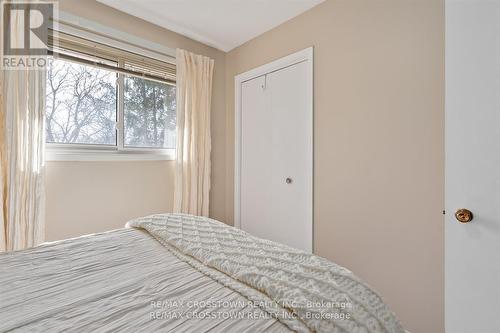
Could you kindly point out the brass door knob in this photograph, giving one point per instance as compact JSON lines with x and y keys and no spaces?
{"x":464,"y":215}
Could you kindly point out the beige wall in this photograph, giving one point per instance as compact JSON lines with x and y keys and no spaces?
{"x":379,"y":109}
{"x":88,"y":197}
{"x":80,"y":195}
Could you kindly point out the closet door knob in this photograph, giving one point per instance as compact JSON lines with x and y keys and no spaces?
{"x":288,"y":180}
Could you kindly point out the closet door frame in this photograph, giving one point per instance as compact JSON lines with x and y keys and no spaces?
{"x":292,"y":59}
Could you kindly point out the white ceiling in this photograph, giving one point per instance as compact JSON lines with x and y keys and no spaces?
{"x":223,"y":24}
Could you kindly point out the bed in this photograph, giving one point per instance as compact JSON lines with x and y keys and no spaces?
{"x":182,"y":273}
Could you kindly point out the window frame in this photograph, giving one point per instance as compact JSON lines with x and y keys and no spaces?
{"x":106,"y":152}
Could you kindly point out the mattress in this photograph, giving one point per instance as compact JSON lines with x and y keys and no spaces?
{"x":183,"y":273}
{"x":123,"y":280}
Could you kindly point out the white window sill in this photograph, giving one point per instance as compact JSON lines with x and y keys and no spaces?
{"x":65,"y":154}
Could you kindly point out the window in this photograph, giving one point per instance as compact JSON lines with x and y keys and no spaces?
{"x":104,"y":102}
{"x":80,"y":104}
{"x":149,"y":112}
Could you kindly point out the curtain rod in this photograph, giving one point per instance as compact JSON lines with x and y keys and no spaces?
{"x":78,"y":24}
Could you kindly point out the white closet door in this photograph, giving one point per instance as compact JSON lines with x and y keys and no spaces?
{"x":276,"y":157}
{"x":256,"y":156}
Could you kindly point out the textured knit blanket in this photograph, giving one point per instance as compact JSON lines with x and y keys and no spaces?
{"x":305,"y":292}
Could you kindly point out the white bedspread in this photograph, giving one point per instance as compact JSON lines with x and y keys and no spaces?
{"x":304,"y":291}
{"x":120,"y":281}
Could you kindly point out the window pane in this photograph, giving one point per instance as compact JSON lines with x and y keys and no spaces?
{"x":149,"y":112}
{"x":81,"y":104}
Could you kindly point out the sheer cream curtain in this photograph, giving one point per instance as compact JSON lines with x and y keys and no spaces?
{"x":22,"y":107}
{"x":3,"y":171}
{"x":194,"y":96}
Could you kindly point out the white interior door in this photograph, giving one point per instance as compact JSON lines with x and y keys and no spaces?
{"x":276,"y":156}
{"x":472,"y":250}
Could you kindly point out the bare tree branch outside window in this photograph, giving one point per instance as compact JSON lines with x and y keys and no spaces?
{"x":82,"y":108}
{"x":81,"y":104}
